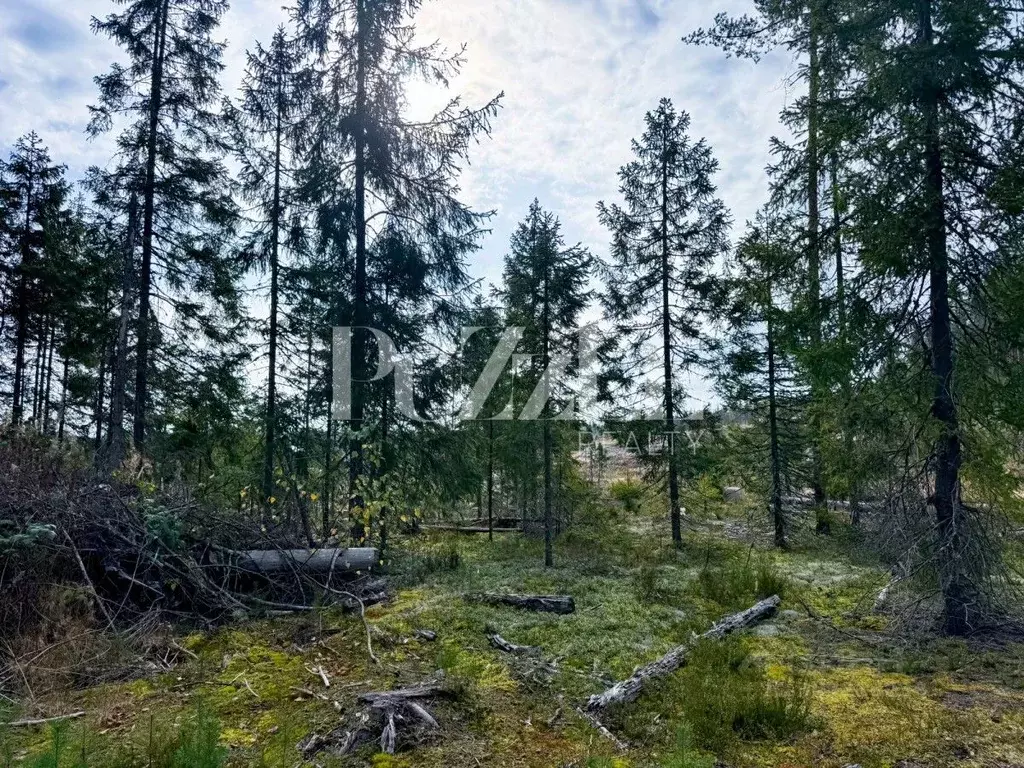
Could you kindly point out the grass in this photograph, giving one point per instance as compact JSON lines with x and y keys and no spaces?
{"x":196,"y":744}
{"x":751,"y":701}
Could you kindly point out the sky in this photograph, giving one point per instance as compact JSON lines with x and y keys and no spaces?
{"x":578,"y":77}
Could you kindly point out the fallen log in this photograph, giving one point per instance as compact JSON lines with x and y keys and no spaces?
{"x":561,"y":604}
{"x":629,"y":689}
{"x":468,"y":529}
{"x":320,"y":561}
{"x":502,"y":644}
{"x":43,"y":720}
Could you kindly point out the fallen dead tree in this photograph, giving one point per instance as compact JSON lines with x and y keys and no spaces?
{"x":628,"y":690}
{"x":314,"y":561}
{"x":561,"y":604}
{"x":468,"y":529}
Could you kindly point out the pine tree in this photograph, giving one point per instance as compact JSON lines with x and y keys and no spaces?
{"x":545,"y":293}
{"x":166,"y":94}
{"x":661,"y":287}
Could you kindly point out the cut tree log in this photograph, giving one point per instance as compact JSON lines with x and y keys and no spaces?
{"x":561,"y":604}
{"x":320,"y":561}
{"x":629,"y":690}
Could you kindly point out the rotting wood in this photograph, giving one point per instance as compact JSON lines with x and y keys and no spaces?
{"x":620,"y":745}
{"x":43,"y":720}
{"x":560,"y":604}
{"x":504,"y":645}
{"x":629,"y":690}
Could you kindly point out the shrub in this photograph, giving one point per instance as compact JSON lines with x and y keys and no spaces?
{"x":685,"y":754}
{"x":725,"y":695}
{"x":737,"y":583}
{"x":628,"y":493}
{"x":195,"y":745}
{"x":647,"y":584}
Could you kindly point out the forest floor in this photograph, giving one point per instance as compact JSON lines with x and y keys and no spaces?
{"x":827,"y":682}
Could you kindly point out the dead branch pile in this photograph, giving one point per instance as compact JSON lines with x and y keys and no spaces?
{"x":132,"y":549}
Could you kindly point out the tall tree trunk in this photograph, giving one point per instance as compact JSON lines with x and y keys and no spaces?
{"x":359,"y":298}
{"x":63,"y":402}
{"x":666,"y":334}
{"x":814,"y":253}
{"x":142,"y":354}
{"x":962,"y":609}
{"x":100,"y":392}
{"x":275,"y":231}
{"x":778,"y":518}
{"x":549,"y":523}
{"x":21,"y":337}
{"x":117,"y":448}
{"x":40,"y":372}
{"x":490,"y":480}
{"x":48,"y":380}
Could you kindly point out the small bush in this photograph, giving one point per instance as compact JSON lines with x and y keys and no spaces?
{"x":685,"y":754}
{"x":628,"y":493}
{"x":738,"y":583}
{"x":725,"y":695}
{"x":647,"y":584}
{"x":195,"y":745}
{"x":417,"y":567}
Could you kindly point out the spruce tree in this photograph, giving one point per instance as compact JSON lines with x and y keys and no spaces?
{"x":758,"y":376}
{"x":35,"y":192}
{"x":545,"y":292}
{"x":385,"y":187}
{"x":667,"y":238}
{"x":266,"y":127}
{"x":166,"y":95}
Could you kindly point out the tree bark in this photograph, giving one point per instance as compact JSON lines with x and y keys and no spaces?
{"x":778,"y":518}
{"x":561,"y":604}
{"x":142,"y":353}
{"x":21,"y":336}
{"x":962,"y":610}
{"x":117,"y":448}
{"x":490,"y":480}
{"x":666,"y":332}
{"x":814,"y":249}
{"x":318,"y":561}
{"x":275,"y":232}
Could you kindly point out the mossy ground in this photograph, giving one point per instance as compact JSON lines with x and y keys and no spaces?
{"x":870,"y":698}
